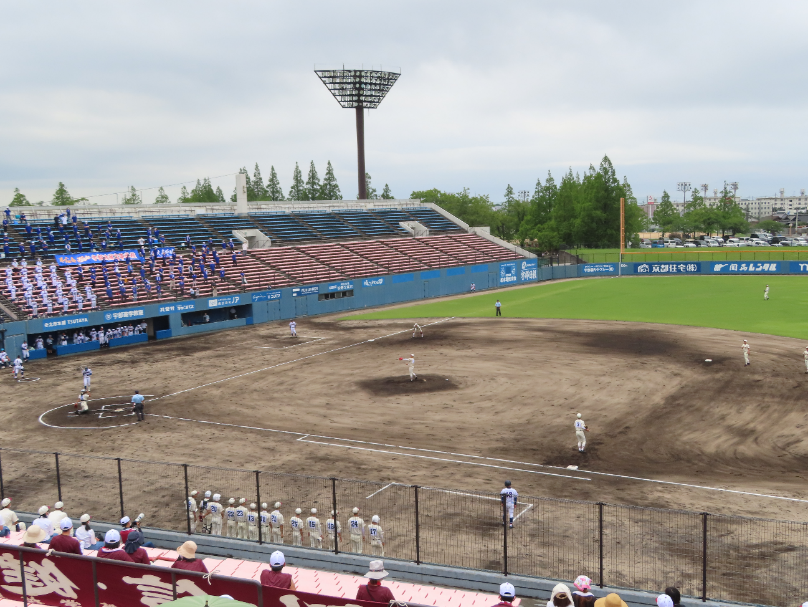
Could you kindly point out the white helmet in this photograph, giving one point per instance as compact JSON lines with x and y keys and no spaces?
{"x":232,"y":500}
{"x":298,"y":511}
{"x":264,"y":505}
{"x":579,"y":416}
{"x":314,"y":510}
{"x":216,"y":497}
{"x":207,"y":494}
{"x":277,"y":504}
{"x":355,"y":510}
{"x":252,"y":506}
{"x":374,"y":518}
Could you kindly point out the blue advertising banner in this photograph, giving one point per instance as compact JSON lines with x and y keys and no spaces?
{"x":403,"y":278}
{"x":76,"y":259}
{"x":61,"y":323}
{"x":373,"y":282}
{"x":483,"y":267}
{"x":529,"y":270}
{"x":745,"y":267}
{"x":341,"y":286}
{"x":599,"y":268}
{"x":507,"y":273}
{"x":454,"y":271}
{"x":224,"y":301}
{"x":798,"y":267}
{"x":177,"y":307}
{"x":124,"y":314}
{"x":430,"y":274}
{"x":680,"y":267}
{"x":268,"y":296}
{"x":298,"y":291}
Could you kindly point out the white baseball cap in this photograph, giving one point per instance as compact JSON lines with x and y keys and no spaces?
{"x":85,"y":518}
{"x":264,"y":505}
{"x":216,"y":497}
{"x":7,"y":501}
{"x":193,"y":493}
{"x":298,"y":511}
{"x":355,"y":510}
{"x":207,"y":493}
{"x":374,"y":518}
{"x":314,"y":510}
{"x":252,"y":506}
{"x":43,"y":509}
{"x":112,"y":536}
{"x":241,"y":500}
{"x":663,"y":600}
{"x":125,"y":520}
{"x":232,"y":500}
{"x":58,"y":505}
{"x":276,"y":559}
{"x":506,"y":589}
{"x":65,"y":524}
{"x":277,"y":504}
{"x":579,"y":416}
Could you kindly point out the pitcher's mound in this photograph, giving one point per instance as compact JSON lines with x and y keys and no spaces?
{"x":396,"y":386}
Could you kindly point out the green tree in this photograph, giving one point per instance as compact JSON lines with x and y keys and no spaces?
{"x":510,"y":216}
{"x":312,"y":184}
{"x":666,"y":217}
{"x":476,"y":211}
{"x":297,"y":191}
{"x":329,"y":190}
{"x":219,"y":194}
{"x":547,"y":239}
{"x":371,"y":191}
{"x":274,"y":191}
{"x":19,"y":199}
{"x":729,"y":216}
{"x":183,"y":195}
{"x":259,"y":189}
{"x":62,"y":198}
{"x":132,"y":197}
{"x":162,"y":197}
{"x":386,"y":193}
{"x":203,"y":192}
{"x":564,"y":210}
{"x":768,"y":225}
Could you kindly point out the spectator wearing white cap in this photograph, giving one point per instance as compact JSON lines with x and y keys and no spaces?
{"x":506,"y":594}
{"x":112,"y":547}
{"x":373,"y":590}
{"x":356,"y":527}
{"x":187,"y":559}
{"x":44,"y":522}
{"x":315,"y":530}
{"x":57,"y":514}
{"x":376,"y":536}
{"x":86,"y":536}
{"x":133,"y":547}
{"x":126,"y":528}
{"x":560,"y":597}
{"x":276,"y":524}
{"x":9,"y":517}
{"x":275,"y":577}
{"x":296,"y":523}
{"x":581,"y":596}
{"x":64,"y":542}
{"x":34,"y":534}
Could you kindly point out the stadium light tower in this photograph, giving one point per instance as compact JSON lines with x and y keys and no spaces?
{"x":360,"y":89}
{"x":704,"y":187}
{"x":684,"y":188}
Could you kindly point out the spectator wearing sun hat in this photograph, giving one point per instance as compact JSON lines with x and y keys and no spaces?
{"x":112,"y":547}
{"x":86,"y":536}
{"x":581,"y":596}
{"x":611,"y":600}
{"x":64,"y":542}
{"x":373,"y":590}
{"x":664,"y":600}
{"x":507,"y":593}
{"x":33,"y":534}
{"x":560,"y":597}
{"x":275,"y":577}
{"x":187,"y":559}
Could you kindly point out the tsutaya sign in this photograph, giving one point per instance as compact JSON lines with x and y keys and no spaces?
{"x":70,"y":581}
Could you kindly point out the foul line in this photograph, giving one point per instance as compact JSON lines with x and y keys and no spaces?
{"x":305,"y":343}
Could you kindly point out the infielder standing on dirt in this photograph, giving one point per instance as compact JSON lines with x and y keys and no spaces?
{"x":745,"y":348}
{"x":276,"y":523}
{"x":315,"y":530}
{"x":580,"y":429}
{"x":19,"y":370}
{"x":411,"y":362}
{"x":87,"y":373}
{"x":297,"y":527}
{"x":416,"y":328}
{"x":357,"y":528}
{"x":508,"y":496}
{"x":376,"y":535}
{"x":293,"y":328}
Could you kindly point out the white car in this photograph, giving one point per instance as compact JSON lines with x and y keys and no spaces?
{"x":757,"y":242}
{"x":712,"y":243}
{"x":733,"y":244}
{"x":689,"y":245}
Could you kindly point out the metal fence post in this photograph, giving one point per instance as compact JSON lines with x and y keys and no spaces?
{"x":334,"y":510}
{"x":258,"y":499}
{"x":504,"y":539}
{"x":58,"y":477}
{"x":120,"y":484}
{"x":704,"y":516}
{"x":2,"y":488}
{"x":600,"y":544}
{"x":417,"y":530}
{"x":187,"y":497}
{"x":95,"y":585}
{"x":22,"y":577}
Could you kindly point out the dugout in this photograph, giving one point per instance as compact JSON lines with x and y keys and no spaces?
{"x":217,"y":315}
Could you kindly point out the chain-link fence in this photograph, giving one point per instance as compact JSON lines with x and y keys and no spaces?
{"x":707,"y":556}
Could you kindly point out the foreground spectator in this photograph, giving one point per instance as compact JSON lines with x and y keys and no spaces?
{"x":676,"y":597}
{"x":33,"y":534}
{"x":560,"y":597}
{"x":65,"y":542}
{"x":373,"y":590}
{"x":112,"y":548}
{"x":506,"y":595}
{"x":9,"y":517}
{"x":663,"y":600}
{"x":581,"y":596}
{"x":275,"y":577}
{"x":86,"y":536}
{"x":134,"y":541}
{"x":611,"y":600}
{"x":187,"y":559}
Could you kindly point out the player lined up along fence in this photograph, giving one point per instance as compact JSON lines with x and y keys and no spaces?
{"x":705,"y":555}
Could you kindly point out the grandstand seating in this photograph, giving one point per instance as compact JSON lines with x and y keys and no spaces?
{"x":225,"y":224}
{"x":434,"y":220}
{"x":417,"y":248}
{"x":283,"y":226}
{"x":342,"y":260}
{"x":177,"y":228}
{"x":384,"y":256}
{"x":328,"y":225}
{"x":369,"y":224}
{"x":297,"y":265}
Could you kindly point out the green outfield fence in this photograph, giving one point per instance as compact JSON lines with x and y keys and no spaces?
{"x":708,"y":556}
{"x":591,"y":255}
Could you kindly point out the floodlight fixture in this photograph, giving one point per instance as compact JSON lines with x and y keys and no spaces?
{"x":684,"y":188}
{"x":360,"y":89}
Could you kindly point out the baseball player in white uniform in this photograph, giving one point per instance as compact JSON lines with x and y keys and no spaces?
{"x":82,"y":407}
{"x":293,"y":328}
{"x":297,"y":527}
{"x":276,"y":524}
{"x":509,"y":496}
{"x":230,"y":517}
{"x":356,"y":526}
{"x":241,"y":519}
{"x":333,"y":530}
{"x":19,"y":370}
{"x":766,"y":293}
{"x":805,"y":355}
{"x":24,"y":351}
{"x":192,"y":510}
{"x":315,"y":530}
{"x":411,"y":362}
{"x":215,"y":511}
{"x":580,"y":429}
{"x":376,"y":535}
{"x":416,"y":328}
{"x":87,"y":373}
{"x":252,"y":523}
{"x":203,"y":511}
{"x":745,"y":348}
{"x":264,"y":518}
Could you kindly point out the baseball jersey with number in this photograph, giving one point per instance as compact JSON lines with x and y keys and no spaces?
{"x":510,"y":496}
{"x":580,"y":425}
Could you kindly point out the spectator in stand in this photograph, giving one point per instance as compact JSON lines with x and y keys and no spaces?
{"x":126,"y":527}
{"x":44,"y":522}
{"x":560,"y":597}
{"x":57,"y":514}
{"x":34,"y":534}
{"x":663,"y":600}
{"x":9,"y":517}
{"x":611,"y":600}
{"x":506,"y":594}
{"x":64,"y":542}
{"x":373,"y":590}
{"x":672,"y":592}
{"x":275,"y":577}
{"x":581,"y":596}
{"x":134,"y":541}
{"x":112,"y":548}
{"x":86,"y":536}
{"x":187,"y":559}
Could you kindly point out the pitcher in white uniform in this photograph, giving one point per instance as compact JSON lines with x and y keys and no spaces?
{"x":580,"y":429}
{"x":745,"y":347}
{"x":411,"y":362}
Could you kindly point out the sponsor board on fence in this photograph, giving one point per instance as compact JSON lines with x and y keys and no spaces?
{"x":124,"y":314}
{"x":507,"y":273}
{"x":529,"y":270}
{"x":340,"y":286}
{"x":798,"y":267}
{"x":76,"y":259}
{"x":224,"y":301}
{"x":267,"y":296}
{"x":745,"y":267}
{"x":373,"y":282}
{"x":70,"y":321}
{"x":300,"y":291}
{"x":692,"y":267}
{"x":177,"y":307}
{"x":600,"y":268}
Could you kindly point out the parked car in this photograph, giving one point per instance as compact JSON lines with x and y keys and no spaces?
{"x":730,"y":243}
{"x":757,"y":242}
{"x":689,"y":244}
{"x":645,"y":243}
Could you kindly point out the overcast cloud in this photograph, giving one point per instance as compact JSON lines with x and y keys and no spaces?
{"x":104,"y":95}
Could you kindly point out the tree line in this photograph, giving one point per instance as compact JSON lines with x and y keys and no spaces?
{"x":726,"y":216}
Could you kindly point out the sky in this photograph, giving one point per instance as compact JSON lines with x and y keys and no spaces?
{"x":107,"y":95}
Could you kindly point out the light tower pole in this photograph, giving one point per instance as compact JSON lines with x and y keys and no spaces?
{"x":684,"y":188}
{"x":359,"y":89}
{"x":704,"y":187}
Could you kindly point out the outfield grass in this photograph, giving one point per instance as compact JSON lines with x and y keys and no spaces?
{"x":699,"y":254}
{"x":723,"y":302}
